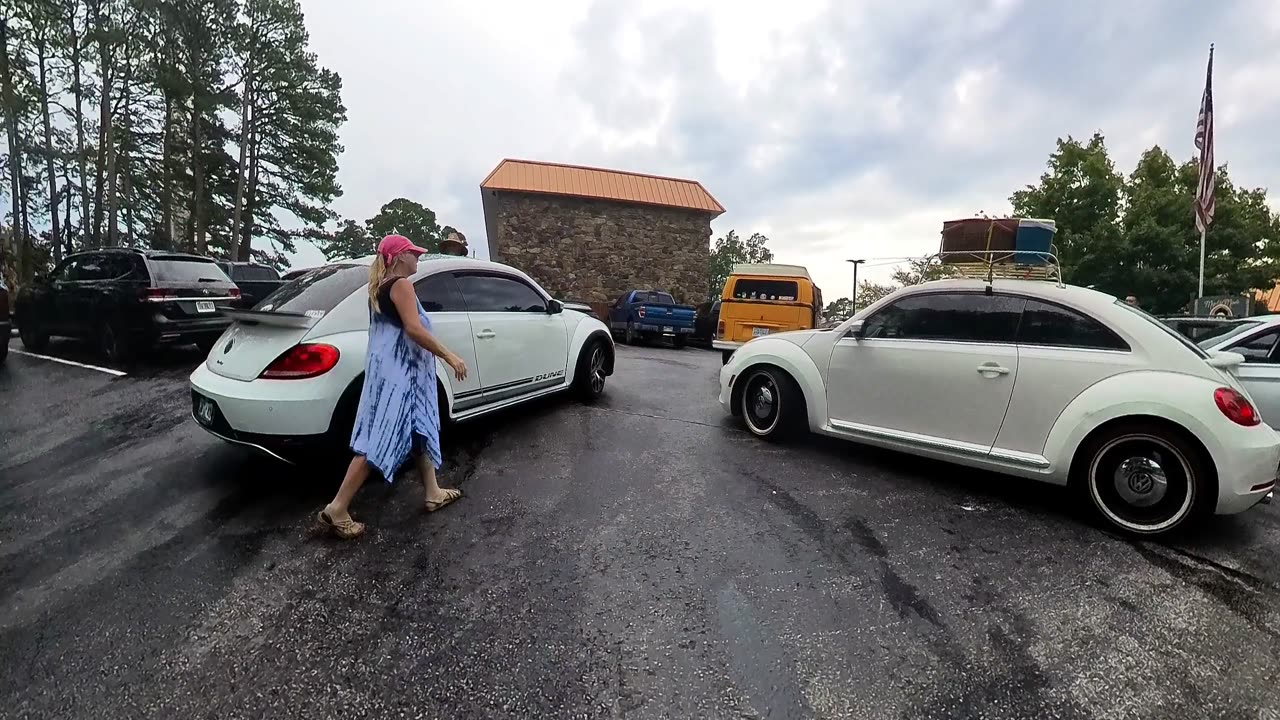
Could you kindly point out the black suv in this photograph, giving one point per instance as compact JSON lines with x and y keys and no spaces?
{"x":126,"y":301}
{"x":5,"y":328}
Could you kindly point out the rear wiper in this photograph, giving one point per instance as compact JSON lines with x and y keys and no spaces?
{"x":208,"y":280}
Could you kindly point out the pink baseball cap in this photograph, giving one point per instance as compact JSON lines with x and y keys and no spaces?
{"x":393,"y":245}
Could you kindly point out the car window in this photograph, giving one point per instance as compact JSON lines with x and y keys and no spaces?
{"x":1257,"y":349}
{"x":89,"y":268}
{"x":1217,"y":336}
{"x":496,"y":293}
{"x":253,"y":273}
{"x":319,"y":291}
{"x":182,"y":269}
{"x":439,"y":293}
{"x":655,"y":297}
{"x":756,"y":289}
{"x":957,"y":317}
{"x":67,"y":270}
{"x":1182,"y":339}
{"x":1047,"y":324}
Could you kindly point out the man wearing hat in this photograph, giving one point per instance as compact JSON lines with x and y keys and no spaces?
{"x":455,"y":244}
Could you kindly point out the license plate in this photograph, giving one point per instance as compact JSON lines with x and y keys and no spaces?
{"x":667,"y":328}
{"x":204,"y":306}
{"x":759,"y":332}
{"x":204,"y":410}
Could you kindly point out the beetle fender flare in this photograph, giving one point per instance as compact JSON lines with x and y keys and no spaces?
{"x":792,"y":359}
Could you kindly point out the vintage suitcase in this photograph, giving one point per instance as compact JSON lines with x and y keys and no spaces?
{"x":979,"y":235}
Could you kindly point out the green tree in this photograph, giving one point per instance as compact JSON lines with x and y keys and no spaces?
{"x":410,"y":219}
{"x":352,"y":240}
{"x":838,"y":310}
{"x":1081,"y":191}
{"x":918,"y":270}
{"x":731,"y":250}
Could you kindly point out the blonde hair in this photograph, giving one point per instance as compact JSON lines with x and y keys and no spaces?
{"x":377,"y":273}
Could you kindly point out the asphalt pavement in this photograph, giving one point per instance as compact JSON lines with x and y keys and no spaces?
{"x":643,"y":558}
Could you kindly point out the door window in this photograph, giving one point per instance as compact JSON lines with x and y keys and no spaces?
{"x":955,"y":317}
{"x":497,"y":293}
{"x":439,"y":293}
{"x":1258,"y":349}
{"x":755,"y":289}
{"x":67,"y":270}
{"x":92,"y":267}
{"x":1047,"y":324}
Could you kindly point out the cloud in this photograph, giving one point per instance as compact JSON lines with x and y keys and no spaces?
{"x":840,"y":129}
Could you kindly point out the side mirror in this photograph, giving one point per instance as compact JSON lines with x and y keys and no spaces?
{"x":555,"y":307}
{"x":854,"y":330}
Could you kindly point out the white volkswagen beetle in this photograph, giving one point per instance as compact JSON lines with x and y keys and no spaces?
{"x":1031,"y":378}
{"x":286,"y":376}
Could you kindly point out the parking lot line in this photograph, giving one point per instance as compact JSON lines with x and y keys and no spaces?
{"x":108,"y":371}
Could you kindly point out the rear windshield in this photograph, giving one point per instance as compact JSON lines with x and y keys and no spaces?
{"x":658,"y":298}
{"x":318,"y":291}
{"x":251,"y":273}
{"x":1168,"y":330}
{"x":753,"y":289}
{"x":184,"y":269}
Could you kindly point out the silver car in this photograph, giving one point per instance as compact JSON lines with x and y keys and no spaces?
{"x":1256,"y":338}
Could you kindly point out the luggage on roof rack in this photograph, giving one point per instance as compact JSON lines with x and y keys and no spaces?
{"x":1009,"y":248}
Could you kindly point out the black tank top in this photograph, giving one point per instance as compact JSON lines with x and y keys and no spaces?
{"x":385,"y":305}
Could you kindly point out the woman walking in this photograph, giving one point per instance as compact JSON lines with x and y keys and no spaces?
{"x":398,"y":413}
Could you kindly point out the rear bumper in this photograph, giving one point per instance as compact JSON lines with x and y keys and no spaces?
{"x":1247,"y":471}
{"x":664,"y":329}
{"x":162,"y":330}
{"x":268,"y":412}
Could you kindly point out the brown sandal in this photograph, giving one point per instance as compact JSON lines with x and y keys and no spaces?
{"x":450,"y":494}
{"x":345,"y":529}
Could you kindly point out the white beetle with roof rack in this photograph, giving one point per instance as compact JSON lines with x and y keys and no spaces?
{"x":1032,"y":378}
{"x":286,"y":377}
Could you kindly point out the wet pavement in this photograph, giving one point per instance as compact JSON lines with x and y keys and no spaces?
{"x":640,"y":558}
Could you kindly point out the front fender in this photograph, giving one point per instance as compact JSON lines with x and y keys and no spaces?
{"x":796,"y":362}
{"x":1185,"y":400}
{"x":587,"y":329}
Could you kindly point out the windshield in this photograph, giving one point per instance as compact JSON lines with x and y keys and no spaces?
{"x":1226,"y":332}
{"x":185,"y":269}
{"x":318,"y":291}
{"x":1167,"y":330}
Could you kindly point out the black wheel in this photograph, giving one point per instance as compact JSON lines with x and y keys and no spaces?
{"x":771,"y":404}
{"x":724,"y":356}
{"x":4,"y":348}
{"x":1144,"y":479}
{"x":680,"y":341}
{"x":589,"y":377}
{"x":114,"y":344}
{"x":630,"y":336}
{"x":33,"y":337}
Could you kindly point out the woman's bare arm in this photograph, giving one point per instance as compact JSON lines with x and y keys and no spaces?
{"x":406,"y":302}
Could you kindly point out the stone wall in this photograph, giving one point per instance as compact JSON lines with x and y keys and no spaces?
{"x":594,"y":250}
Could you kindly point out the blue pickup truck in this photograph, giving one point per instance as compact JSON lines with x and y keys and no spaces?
{"x":647,"y":315}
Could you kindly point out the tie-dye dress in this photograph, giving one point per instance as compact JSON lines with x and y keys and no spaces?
{"x":398,"y":406}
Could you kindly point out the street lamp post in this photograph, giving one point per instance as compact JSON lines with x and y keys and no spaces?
{"x":854,"y":298}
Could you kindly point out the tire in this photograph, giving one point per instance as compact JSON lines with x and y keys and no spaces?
{"x":33,"y":338}
{"x":629,"y":337}
{"x":680,"y":341}
{"x":1144,"y":479}
{"x":4,"y":349}
{"x":114,"y":345}
{"x":771,"y":404}
{"x":589,"y":377}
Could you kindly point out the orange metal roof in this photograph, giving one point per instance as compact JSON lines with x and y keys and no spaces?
{"x":555,"y":179}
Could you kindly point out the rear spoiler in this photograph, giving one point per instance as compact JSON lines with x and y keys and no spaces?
{"x":275,"y":319}
{"x":1224,"y":360}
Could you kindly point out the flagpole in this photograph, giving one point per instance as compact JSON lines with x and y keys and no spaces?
{"x":1200,"y":293}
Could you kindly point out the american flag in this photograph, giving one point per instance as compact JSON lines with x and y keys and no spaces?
{"x":1204,"y":143}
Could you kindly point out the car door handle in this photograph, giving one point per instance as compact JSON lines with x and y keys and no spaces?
{"x":486,"y":334}
{"x":992,"y":369}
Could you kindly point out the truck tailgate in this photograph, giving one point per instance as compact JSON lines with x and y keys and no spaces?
{"x":673,"y":315}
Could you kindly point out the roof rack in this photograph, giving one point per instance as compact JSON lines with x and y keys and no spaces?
{"x":988,"y":265}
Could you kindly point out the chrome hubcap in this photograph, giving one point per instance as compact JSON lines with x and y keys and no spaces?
{"x":762,"y":402}
{"x":1140,"y":481}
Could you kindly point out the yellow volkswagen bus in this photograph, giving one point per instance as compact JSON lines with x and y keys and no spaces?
{"x":761,"y":299}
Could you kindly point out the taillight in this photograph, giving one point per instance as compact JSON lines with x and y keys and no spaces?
{"x":302,"y":361}
{"x":640,"y":312}
{"x":233,"y":293}
{"x":1236,"y":407}
{"x":158,"y":295}
{"x":720,"y":329}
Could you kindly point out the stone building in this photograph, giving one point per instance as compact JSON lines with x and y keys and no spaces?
{"x":589,"y":234}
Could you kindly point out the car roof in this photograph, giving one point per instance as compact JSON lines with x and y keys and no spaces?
{"x":435,"y":262}
{"x":1041,"y":289}
{"x":145,"y":252}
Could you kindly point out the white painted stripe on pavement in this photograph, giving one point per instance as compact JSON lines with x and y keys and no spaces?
{"x":108,"y":371}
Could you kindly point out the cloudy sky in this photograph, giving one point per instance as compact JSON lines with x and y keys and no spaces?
{"x":838,"y":129}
